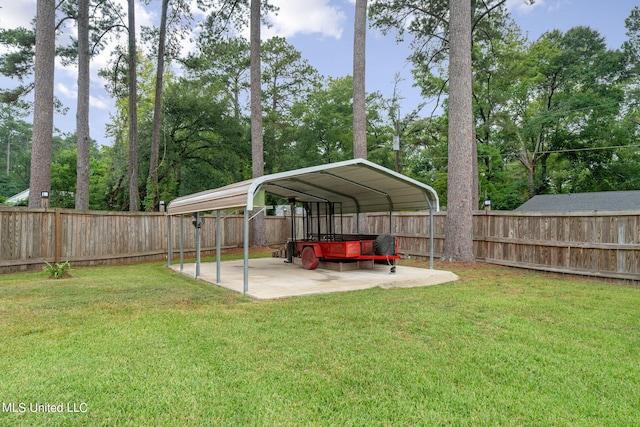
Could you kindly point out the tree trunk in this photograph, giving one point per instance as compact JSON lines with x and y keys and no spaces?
{"x":458,"y":245}
{"x":236,"y":97}
{"x":359,"y":94}
{"x":359,"y":63}
{"x":9,"y":144}
{"x":152,"y":183}
{"x":475,"y":201}
{"x":82,"y":112}
{"x":257,"y":151}
{"x":133,"y":113}
{"x":43,"y":102}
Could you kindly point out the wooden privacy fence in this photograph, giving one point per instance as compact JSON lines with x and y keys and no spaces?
{"x":600,"y":244}
{"x":29,"y":237}
{"x":597,"y":244}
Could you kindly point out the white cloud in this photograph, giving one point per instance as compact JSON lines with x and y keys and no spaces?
{"x":68,"y":92}
{"x":559,"y":4}
{"x":521,"y":7}
{"x":101,"y":102}
{"x":14,"y":14}
{"x":17,"y":13}
{"x":198,"y":13}
{"x":306,"y":17}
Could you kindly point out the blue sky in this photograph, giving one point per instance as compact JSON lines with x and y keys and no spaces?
{"x":322,"y":31}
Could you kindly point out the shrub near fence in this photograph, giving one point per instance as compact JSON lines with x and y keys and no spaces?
{"x":599,"y":244}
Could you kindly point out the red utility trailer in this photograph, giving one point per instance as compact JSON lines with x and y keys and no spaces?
{"x":324,"y":244}
{"x":348,"y":248}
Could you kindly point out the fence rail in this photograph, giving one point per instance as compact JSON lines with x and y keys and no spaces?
{"x":599,"y":244}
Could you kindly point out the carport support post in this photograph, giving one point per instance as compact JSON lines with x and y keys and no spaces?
{"x":169,"y":241}
{"x":197,"y":244}
{"x":181,"y":243}
{"x":218,"y":244}
{"x":246,"y":252}
{"x":431,"y":237}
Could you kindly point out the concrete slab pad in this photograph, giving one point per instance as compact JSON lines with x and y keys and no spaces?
{"x":273,"y":278}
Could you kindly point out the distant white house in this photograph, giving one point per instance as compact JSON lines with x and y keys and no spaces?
{"x":284,"y":210}
{"x":20,"y":197}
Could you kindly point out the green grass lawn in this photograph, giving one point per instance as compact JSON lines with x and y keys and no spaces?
{"x":143,"y":346}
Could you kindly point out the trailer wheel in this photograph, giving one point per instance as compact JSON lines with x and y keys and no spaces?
{"x":309,"y":259}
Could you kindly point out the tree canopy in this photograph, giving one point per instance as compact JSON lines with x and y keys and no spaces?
{"x":557,"y":114}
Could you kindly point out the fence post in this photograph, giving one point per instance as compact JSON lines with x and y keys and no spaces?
{"x":57,"y":235}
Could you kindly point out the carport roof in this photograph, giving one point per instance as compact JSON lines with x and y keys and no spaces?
{"x":358,"y":185}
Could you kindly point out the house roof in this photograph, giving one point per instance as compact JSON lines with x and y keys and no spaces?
{"x":356,"y":185}
{"x":597,"y":201}
{"x":23,"y":195}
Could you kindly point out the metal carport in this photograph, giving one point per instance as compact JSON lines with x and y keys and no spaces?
{"x":359,"y":185}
